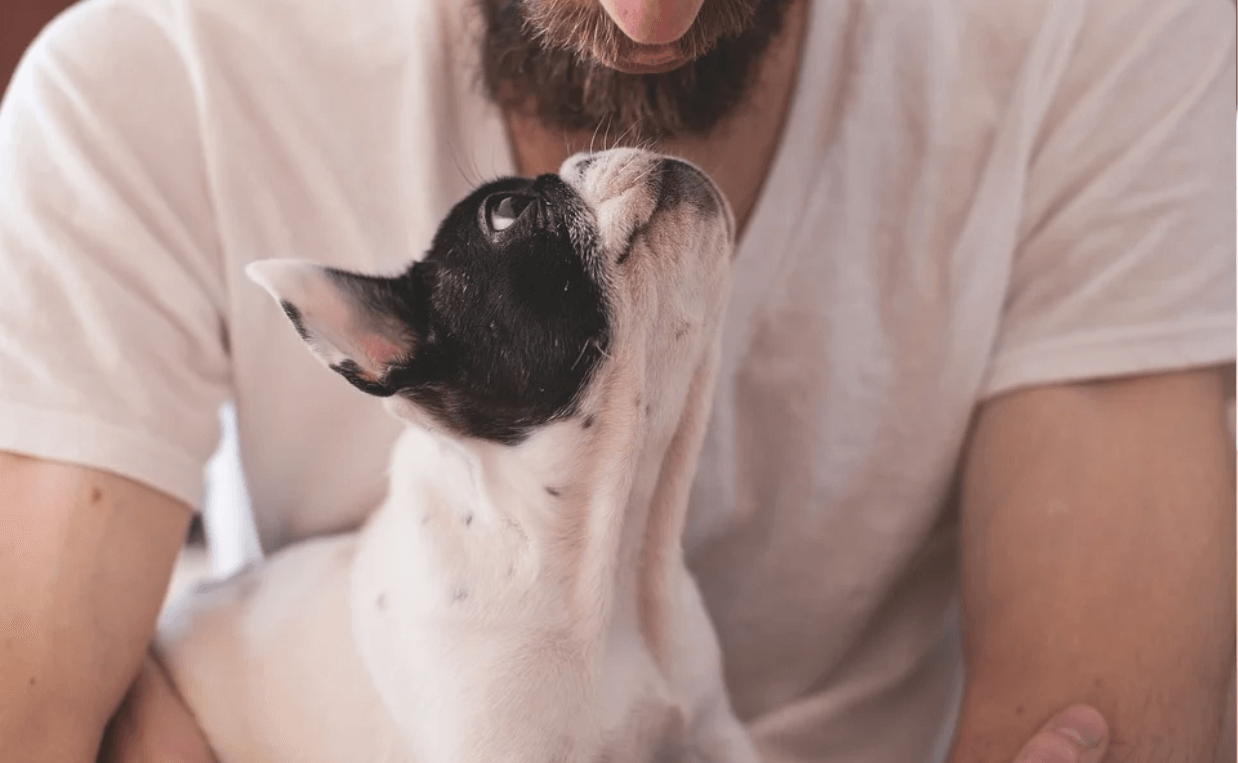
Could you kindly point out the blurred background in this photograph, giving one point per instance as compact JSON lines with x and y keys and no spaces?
{"x":225,"y":515}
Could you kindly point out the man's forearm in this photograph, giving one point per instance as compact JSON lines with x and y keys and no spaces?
{"x":46,"y":731}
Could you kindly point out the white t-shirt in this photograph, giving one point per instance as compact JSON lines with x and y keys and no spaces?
{"x":969,"y":197}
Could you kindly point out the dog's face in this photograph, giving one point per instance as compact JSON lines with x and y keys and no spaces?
{"x":530,"y":286}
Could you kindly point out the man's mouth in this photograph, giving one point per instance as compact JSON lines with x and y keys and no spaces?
{"x":648,"y":59}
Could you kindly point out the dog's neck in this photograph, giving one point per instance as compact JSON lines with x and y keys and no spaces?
{"x":594,"y":504}
{"x":483,"y":601}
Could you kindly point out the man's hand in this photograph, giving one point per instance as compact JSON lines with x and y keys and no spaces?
{"x":153,"y":725}
{"x":1078,"y":734}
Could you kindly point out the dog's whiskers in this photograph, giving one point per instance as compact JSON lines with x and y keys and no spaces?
{"x":593,"y":138}
{"x":601,"y":350}
{"x":455,"y":159}
{"x":629,"y":130}
{"x":585,"y":348}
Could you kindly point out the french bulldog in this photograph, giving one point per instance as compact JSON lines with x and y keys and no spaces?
{"x":521,"y":594}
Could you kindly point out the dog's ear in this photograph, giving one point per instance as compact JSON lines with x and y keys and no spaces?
{"x":359,"y":326}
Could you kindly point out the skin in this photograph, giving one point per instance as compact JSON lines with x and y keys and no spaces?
{"x":653,"y":23}
{"x":86,"y":557}
{"x":1098,"y":565}
{"x":1071,"y":492}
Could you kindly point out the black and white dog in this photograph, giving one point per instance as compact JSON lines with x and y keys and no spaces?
{"x":521,"y":595}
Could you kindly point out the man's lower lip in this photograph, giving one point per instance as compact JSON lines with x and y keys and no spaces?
{"x":662,"y":58}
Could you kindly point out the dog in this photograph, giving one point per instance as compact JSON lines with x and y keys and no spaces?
{"x":521,"y":594}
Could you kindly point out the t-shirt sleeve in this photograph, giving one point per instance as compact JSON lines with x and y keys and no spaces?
{"x":1126,"y":257}
{"x":113,"y":351}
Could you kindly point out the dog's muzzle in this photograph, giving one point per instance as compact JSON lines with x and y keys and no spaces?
{"x":683,"y":183}
{"x":660,"y":185}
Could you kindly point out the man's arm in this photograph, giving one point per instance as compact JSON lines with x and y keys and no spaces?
{"x":85,"y":557}
{"x":1098,"y":566}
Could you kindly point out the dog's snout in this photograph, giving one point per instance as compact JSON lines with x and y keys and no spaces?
{"x":682,"y":183}
{"x":585,"y":162}
{"x":631,"y":188}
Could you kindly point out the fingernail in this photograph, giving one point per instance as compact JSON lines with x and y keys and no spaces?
{"x":1083,"y":724}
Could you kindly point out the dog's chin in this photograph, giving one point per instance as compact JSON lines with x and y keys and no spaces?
{"x":408,"y":412}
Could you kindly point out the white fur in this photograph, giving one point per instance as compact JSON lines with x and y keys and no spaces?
{"x":477,"y":618}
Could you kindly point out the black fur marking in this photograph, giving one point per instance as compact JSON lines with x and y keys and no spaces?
{"x":294,"y":315}
{"x":553,"y":491}
{"x":352,"y":372}
{"x":503,"y":329}
{"x":513,"y":325}
{"x":586,"y":163}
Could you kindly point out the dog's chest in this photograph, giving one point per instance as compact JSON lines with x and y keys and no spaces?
{"x":474,"y":646}
{"x":438,"y":547}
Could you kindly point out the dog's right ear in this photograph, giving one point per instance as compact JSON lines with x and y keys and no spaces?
{"x":359,"y":326}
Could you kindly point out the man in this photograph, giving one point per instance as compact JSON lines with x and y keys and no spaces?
{"x":978,"y":340}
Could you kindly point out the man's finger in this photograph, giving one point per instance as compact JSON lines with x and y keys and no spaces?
{"x":1078,"y":734}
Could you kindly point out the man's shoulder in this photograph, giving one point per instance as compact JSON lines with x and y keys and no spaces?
{"x":997,"y":40}
{"x":957,"y":72}
{"x":291,"y":39}
{"x":247,"y":75}
{"x":915,"y":54}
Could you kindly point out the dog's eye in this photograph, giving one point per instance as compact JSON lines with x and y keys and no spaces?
{"x":503,"y":210}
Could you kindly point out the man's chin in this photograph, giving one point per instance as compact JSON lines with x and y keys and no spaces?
{"x":536,"y":61}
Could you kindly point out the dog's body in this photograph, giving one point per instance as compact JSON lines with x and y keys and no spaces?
{"x":521,"y":594}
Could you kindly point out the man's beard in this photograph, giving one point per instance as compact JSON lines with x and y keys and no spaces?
{"x":539,"y":58}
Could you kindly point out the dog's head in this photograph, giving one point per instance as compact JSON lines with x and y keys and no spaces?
{"x":530,"y":287}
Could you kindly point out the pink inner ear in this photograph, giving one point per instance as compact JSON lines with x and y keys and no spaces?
{"x":379,"y":350}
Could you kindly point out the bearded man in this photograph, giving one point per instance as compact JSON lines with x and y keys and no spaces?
{"x":968,"y":464}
